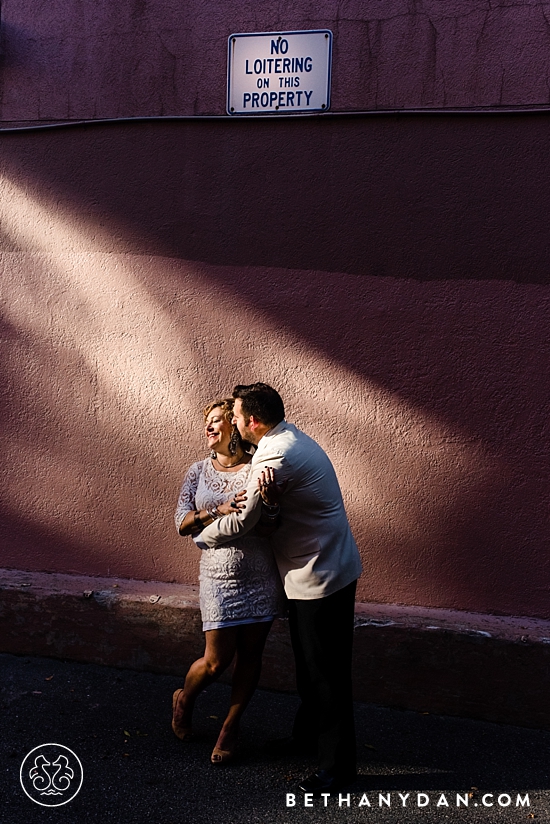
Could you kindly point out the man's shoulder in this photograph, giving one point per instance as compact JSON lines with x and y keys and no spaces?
{"x":287,"y":439}
{"x":285,"y":433}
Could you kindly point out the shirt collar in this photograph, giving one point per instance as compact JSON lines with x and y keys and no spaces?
{"x":274,"y":430}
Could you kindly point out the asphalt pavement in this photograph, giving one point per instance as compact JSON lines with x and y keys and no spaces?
{"x":116,"y":725}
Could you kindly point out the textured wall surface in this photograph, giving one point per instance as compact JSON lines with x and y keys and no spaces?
{"x":146,"y":268}
{"x":388,"y":275}
{"x":74,"y":59}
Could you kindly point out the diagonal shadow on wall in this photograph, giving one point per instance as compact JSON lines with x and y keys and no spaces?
{"x":393,"y":248}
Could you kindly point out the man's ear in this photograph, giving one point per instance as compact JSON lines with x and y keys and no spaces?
{"x":253,"y":423}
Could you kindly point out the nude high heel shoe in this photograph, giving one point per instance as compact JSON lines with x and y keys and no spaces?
{"x":221,"y":757}
{"x":183,"y":733}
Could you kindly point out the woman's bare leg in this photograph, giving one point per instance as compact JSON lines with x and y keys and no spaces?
{"x":251,"y":640}
{"x":221,"y":645}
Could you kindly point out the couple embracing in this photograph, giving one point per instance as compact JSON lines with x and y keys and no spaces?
{"x":262,"y":518}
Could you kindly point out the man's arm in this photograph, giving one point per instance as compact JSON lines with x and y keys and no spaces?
{"x":235,"y":525}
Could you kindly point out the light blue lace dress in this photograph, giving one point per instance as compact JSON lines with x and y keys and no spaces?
{"x":239,"y":584}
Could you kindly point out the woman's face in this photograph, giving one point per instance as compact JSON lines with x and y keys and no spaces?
{"x":217,"y":429}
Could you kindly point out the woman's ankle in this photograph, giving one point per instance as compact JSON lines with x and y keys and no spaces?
{"x":183,"y":711}
{"x":228,"y":736}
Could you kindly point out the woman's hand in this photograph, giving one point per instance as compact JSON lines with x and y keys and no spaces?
{"x":270,"y":492}
{"x":234,"y":505}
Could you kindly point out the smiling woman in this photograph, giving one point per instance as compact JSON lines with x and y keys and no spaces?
{"x":240,"y":587}
{"x":218,"y":417}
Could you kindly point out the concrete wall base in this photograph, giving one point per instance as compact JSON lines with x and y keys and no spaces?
{"x":429,"y":660}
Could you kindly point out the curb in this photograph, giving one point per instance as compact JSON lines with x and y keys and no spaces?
{"x":494,"y":668}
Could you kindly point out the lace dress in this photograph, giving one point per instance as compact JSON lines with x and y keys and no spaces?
{"x":239,"y":584}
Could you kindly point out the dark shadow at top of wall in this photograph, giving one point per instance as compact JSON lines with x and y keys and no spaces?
{"x":418,"y":197}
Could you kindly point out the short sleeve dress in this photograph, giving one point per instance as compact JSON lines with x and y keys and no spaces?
{"x":239,"y":584}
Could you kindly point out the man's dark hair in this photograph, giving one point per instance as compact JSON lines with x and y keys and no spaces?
{"x":261,"y":401}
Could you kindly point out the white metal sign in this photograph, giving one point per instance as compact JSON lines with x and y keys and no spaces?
{"x":279,"y":72}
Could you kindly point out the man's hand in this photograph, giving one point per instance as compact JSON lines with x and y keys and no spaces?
{"x":270,"y":492}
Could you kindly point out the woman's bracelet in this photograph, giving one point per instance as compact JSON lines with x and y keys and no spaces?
{"x":213,"y":514}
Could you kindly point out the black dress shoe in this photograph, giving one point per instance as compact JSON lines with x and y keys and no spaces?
{"x":285,"y":747}
{"x":326,"y":781}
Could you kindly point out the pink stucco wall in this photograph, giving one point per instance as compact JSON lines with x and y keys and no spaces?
{"x":389,"y":276}
{"x":77,"y":59}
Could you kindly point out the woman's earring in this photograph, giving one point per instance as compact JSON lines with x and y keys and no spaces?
{"x":234,"y":441}
{"x":213,"y":454}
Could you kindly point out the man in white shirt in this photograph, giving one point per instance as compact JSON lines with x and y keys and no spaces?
{"x":319,"y":565}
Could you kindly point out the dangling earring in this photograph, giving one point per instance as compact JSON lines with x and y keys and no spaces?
{"x":213,"y":454}
{"x":234,"y":441}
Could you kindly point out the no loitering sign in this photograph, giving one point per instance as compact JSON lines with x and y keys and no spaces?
{"x":279,"y":72}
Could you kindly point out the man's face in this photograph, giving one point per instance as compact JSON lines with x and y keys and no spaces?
{"x":241,"y":422}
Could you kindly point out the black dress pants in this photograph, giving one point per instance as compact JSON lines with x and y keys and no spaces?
{"x":322,"y":636}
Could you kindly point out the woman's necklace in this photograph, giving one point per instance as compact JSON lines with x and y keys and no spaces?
{"x":229,"y":465}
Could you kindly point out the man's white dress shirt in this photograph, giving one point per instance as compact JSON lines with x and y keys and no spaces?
{"x":313,"y":546}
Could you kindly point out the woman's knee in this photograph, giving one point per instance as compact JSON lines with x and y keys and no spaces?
{"x":220,"y":649}
{"x":215,"y":665}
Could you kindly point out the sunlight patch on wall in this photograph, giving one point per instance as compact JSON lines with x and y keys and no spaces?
{"x":113,"y":356}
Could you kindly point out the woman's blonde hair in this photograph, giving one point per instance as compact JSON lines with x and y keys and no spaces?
{"x":226,"y":405}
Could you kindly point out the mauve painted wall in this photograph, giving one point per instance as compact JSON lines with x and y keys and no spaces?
{"x":389,"y":275}
{"x":79,"y":59}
